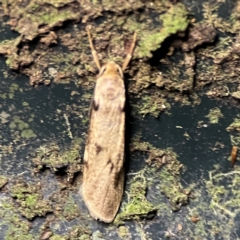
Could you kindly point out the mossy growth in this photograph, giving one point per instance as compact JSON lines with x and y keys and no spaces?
{"x":18,"y":124}
{"x":234,"y":129}
{"x":76,"y":233}
{"x":17,"y":227}
{"x":37,"y":13}
{"x":51,"y":157}
{"x":57,"y":237}
{"x":28,"y":133}
{"x":153,"y":105}
{"x":235,"y":139}
{"x":173,"y":21}
{"x":165,"y":172}
{"x":9,"y":46}
{"x":123,"y":232}
{"x":234,"y":126}
{"x":13,"y":87}
{"x":65,"y":206}
{"x":219,"y":192}
{"x":171,"y":187}
{"x":80,"y":233}
{"x":10,"y":49}
{"x":214,"y":115}
{"x":71,"y":209}
{"x":157,"y":157}
{"x":167,"y":168}
{"x":137,"y":206}
{"x":3,"y":181}
{"x":29,"y":199}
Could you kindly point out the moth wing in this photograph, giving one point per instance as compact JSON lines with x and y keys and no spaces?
{"x":102,"y":193}
{"x":103,"y":173}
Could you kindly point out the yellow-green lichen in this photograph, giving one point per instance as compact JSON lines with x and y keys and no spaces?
{"x":214,"y":115}
{"x":70,"y":209}
{"x":25,"y":104}
{"x":174,"y":20}
{"x":165,"y":168}
{"x":29,"y":199}
{"x":17,"y":227}
{"x":18,"y":124}
{"x":13,"y":87}
{"x":171,"y":187}
{"x":57,"y":237}
{"x":4,"y":117}
{"x":153,"y":105}
{"x":3,"y":181}
{"x":234,"y":130}
{"x":123,"y":232}
{"x":78,"y":233}
{"x":28,"y":133}
{"x":51,"y":157}
{"x":137,"y":205}
{"x":224,"y":199}
{"x":234,"y":126}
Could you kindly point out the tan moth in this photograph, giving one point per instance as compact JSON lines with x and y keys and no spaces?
{"x":103,"y":171}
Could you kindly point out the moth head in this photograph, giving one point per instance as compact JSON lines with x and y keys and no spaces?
{"x":111,"y":68}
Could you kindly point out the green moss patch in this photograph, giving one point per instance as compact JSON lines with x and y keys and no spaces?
{"x":51,"y":157}
{"x":29,"y":199}
{"x":137,"y":206}
{"x":3,"y":181}
{"x":214,"y":115}
{"x":17,"y":227}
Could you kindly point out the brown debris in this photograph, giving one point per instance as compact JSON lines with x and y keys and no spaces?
{"x":194,"y":219}
{"x":236,"y":95}
{"x":68,"y":41}
{"x":46,"y":235}
{"x":234,"y":155}
{"x":198,"y":35}
{"x":25,"y":58}
{"x":36,"y":78}
{"x":50,"y":38}
{"x":219,"y":91}
{"x":231,"y":54}
{"x":179,"y":227}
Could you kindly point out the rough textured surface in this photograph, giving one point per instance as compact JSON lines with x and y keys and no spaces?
{"x":186,"y":64}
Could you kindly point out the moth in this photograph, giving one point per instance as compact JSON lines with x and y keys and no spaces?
{"x":103,"y":168}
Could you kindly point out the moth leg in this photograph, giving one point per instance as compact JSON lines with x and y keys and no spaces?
{"x":94,"y":52}
{"x":130,"y":53}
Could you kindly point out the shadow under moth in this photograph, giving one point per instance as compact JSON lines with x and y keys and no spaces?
{"x":103,"y":169}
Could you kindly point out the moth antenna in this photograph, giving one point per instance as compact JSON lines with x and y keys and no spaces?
{"x":94,"y":52}
{"x":130,"y":53}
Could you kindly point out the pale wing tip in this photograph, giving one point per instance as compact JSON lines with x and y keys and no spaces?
{"x":101,"y":218}
{"x":95,"y":212}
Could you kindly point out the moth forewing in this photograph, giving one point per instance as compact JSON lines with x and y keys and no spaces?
{"x":103,"y":171}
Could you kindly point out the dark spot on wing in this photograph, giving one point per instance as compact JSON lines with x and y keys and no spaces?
{"x":109,"y":162}
{"x":111,"y":169}
{"x":95,"y":106}
{"x":119,"y":177}
{"x":119,"y":158}
{"x":98,"y":148}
